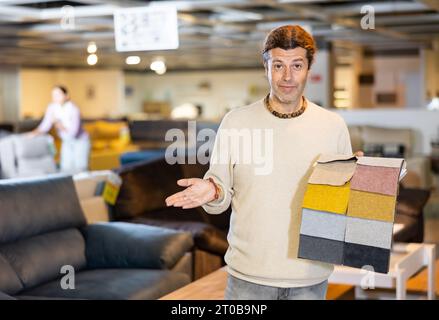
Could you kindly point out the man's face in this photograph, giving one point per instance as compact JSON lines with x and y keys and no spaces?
{"x":287,"y":71}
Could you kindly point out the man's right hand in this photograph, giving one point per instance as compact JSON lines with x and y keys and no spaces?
{"x":197,"y":193}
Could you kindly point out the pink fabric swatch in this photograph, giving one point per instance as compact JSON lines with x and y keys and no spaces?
{"x":383,"y":180}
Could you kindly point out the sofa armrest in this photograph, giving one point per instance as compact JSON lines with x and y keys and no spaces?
{"x":419,"y":173}
{"x":127,"y":245}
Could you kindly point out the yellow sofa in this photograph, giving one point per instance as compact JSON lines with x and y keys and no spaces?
{"x":109,"y":139}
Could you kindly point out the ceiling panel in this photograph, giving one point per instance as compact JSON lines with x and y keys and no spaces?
{"x":213,"y":33}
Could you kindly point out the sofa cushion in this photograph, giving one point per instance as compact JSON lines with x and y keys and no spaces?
{"x":9,"y":282}
{"x":35,"y":206}
{"x":39,"y":259}
{"x":115,"y":284}
{"x":127,"y":245}
{"x":206,"y":237}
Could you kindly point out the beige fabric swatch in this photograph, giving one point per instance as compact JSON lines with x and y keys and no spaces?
{"x":335,"y":173}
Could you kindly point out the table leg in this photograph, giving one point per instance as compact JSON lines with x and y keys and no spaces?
{"x":401,"y":286}
{"x":430,"y":253}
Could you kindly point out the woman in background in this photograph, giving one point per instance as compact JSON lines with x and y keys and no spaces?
{"x":65,"y":116}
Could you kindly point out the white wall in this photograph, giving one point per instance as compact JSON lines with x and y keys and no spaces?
{"x":401,"y":75}
{"x":9,"y":94}
{"x":430,"y":72}
{"x":228,"y":89}
{"x":98,"y":93}
{"x":319,"y":87}
{"x":424,"y":122}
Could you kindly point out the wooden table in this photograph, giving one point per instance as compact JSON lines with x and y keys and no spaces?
{"x":212,"y":287}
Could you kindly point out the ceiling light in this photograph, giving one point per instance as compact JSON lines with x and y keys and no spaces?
{"x":92,"y":59}
{"x":92,"y":47}
{"x":132,"y":60}
{"x":161,"y":71}
{"x":158,"y":65}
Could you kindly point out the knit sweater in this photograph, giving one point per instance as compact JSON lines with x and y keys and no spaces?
{"x":266,"y":192}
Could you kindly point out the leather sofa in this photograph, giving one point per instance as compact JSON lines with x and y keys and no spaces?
{"x":42,"y":229}
{"x":145,"y":186}
{"x":410,"y":214}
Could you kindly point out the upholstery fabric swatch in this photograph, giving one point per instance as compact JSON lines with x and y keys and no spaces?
{"x":381,"y":162}
{"x":327,"y":198}
{"x":358,"y":256}
{"x":348,"y":211}
{"x":320,"y":249}
{"x":372,"y":206}
{"x":382,"y":180}
{"x":335,"y":173}
{"x":369,"y":232}
{"x":323,"y":224}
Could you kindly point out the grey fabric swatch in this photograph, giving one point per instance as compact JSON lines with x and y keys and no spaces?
{"x":323,"y":224}
{"x":320,"y":249}
{"x":369,"y":232}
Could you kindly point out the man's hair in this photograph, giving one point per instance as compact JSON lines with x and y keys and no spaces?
{"x":62,"y":88}
{"x":290,"y":37}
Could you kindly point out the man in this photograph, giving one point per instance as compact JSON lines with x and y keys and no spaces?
{"x":266,"y":208}
{"x":65,"y":116}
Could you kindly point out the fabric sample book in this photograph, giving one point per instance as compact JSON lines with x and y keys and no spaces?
{"x":348,"y":211}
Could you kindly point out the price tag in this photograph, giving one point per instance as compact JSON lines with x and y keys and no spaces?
{"x":112,"y":188}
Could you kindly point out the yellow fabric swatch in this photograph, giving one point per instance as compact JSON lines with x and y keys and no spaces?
{"x":327,"y":198}
{"x":372,"y":206}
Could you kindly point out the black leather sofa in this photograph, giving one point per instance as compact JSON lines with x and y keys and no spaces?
{"x":410,"y":213}
{"x":42,"y":229}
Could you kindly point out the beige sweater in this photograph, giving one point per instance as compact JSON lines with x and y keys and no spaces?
{"x":266,"y":200}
